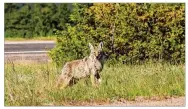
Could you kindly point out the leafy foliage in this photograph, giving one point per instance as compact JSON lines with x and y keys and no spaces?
{"x":31,"y":20}
{"x":131,"y":33}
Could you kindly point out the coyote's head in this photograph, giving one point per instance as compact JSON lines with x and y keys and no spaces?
{"x":96,"y":51}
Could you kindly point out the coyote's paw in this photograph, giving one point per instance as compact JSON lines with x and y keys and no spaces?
{"x":99,"y":81}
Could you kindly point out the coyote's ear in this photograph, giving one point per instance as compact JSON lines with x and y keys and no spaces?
{"x":100,"y":45}
{"x":91,"y":47}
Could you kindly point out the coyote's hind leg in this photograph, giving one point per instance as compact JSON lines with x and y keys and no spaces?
{"x":65,"y":82}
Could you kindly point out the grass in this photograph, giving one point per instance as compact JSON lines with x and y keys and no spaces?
{"x":33,"y":84}
{"x":33,"y":38}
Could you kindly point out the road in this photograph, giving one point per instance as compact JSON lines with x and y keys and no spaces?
{"x":29,"y":46}
{"x":27,"y":50}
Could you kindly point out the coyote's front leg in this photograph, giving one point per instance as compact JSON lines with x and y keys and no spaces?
{"x":95,"y":79}
{"x":92,"y":77}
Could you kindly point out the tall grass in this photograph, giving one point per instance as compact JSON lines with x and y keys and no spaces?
{"x":34,"y":84}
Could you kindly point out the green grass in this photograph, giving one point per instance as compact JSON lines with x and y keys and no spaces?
{"x":33,"y":84}
{"x":34,"y":38}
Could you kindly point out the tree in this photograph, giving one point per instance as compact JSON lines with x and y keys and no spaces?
{"x":32,"y":20}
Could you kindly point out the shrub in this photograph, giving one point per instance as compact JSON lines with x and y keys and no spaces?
{"x":131,"y":32}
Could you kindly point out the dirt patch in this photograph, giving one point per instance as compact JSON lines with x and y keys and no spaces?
{"x":139,"y":101}
{"x":180,"y":101}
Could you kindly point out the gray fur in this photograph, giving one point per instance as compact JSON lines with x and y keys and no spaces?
{"x":77,"y":69}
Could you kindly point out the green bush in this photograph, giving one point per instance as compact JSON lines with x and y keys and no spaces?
{"x":131,"y":32}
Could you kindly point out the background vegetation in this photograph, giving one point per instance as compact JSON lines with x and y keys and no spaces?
{"x":131,"y":32}
{"x":35,"y":19}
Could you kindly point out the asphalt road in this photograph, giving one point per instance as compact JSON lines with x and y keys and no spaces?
{"x":28,"y":46}
{"x":27,"y":51}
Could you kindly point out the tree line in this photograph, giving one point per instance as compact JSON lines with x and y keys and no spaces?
{"x":35,"y":19}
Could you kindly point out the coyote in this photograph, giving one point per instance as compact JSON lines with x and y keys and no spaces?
{"x":88,"y":66}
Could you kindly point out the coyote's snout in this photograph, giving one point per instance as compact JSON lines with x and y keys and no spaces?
{"x":77,"y":69}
